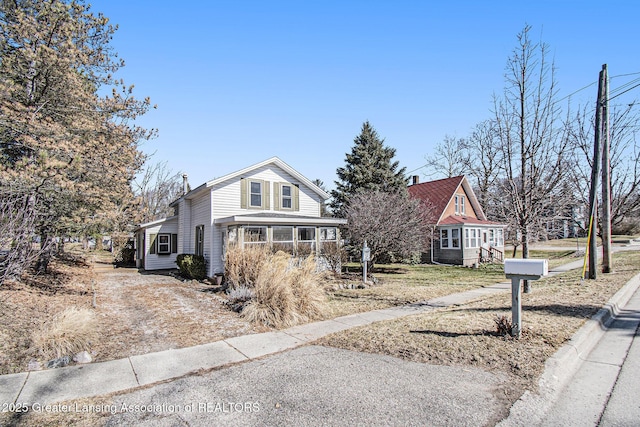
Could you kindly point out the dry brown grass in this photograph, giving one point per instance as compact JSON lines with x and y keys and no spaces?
{"x":285,"y":294}
{"x":467,"y":334}
{"x":242,"y":266}
{"x":69,"y":332}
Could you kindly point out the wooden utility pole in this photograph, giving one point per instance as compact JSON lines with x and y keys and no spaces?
{"x":595,"y":172}
{"x":606,"y":179}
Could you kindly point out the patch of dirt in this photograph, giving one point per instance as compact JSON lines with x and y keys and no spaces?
{"x":138,"y":313}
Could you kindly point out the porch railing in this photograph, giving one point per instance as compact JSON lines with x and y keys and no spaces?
{"x":491,"y":255}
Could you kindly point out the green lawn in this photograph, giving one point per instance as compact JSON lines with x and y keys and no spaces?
{"x":398,"y":284}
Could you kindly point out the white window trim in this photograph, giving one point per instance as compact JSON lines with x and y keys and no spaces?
{"x":289,"y":197}
{"x":159,"y":249}
{"x":459,"y":204}
{"x":444,"y":238}
{"x":449,"y":238}
{"x":453,"y":246}
{"x":251,"y":193}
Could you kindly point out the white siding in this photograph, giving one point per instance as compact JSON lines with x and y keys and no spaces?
{"x":155,"y":261}
{"x":201,"y":215}
{"x":184,"y":225}
{"x":226,"y":195}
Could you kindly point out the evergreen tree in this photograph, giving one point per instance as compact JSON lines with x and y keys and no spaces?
{"x":369,"y":167}
{"x":68,"y":144}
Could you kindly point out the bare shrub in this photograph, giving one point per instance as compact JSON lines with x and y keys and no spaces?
{"x":239,"y":297}
{"x":286,"y":294}
{"x":503,"y":326}
{"x":242,"y":266}
{"x":68,"y":332}
{"x":17,"y":229}
{"x":333,"y":255}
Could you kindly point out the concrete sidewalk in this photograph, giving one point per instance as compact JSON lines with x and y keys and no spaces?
{"x":79,"y":381}
{"x":74,"y":382}
{"x":587,"y":381}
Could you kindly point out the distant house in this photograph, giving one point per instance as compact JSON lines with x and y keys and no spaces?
{"x":269,"y":203}
{"x":462,"y":233}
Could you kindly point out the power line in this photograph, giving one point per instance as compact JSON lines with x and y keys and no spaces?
{"x":612,"y":91}
{"x":623,"y":92}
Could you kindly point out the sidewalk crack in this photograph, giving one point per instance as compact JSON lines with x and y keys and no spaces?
{"x":135,"y":374}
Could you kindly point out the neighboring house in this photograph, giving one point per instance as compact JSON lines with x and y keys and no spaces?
{"x":269,"y":203}
{"x":462,"y":233}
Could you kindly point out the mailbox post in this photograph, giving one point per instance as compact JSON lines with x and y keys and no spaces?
{"x":517,"y":270}
{"x":366,"y":257}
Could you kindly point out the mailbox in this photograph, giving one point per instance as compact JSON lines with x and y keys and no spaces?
{"x":526,"y":267}
{"x":517,"y":270}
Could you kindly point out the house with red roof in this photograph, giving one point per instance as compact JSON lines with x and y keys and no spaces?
{"x":462,"y":233}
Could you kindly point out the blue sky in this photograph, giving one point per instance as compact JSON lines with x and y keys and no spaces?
{"x":237,"y":82}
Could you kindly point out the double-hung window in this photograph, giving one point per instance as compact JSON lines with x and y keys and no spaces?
{"x":286,"y":197}
{"x":459,"y":204}
{"x":163,"y":244}
{"x":282,"y":238}
{"x":255,"y":196}
{"x":255,"y":235}
{"x":328,"y":238}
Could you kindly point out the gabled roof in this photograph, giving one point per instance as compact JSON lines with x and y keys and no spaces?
{"x":273,"y":160}
{"x":156,"y":222}
{"x":440,"y":193}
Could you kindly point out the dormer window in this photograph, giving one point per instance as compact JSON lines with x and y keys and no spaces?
{"x":459,"y":204}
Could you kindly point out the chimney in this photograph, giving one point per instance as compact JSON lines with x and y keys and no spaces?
{"x":185,"y":184}
{"x":416,"y":179}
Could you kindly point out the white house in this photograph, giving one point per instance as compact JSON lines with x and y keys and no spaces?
{"x":268,"y":203}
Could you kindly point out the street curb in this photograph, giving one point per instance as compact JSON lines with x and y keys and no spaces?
{"x":564,"y":363}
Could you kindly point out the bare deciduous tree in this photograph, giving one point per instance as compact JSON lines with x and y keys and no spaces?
{"x":625,"y":161}
{"x":450,"y":158}
{"x":534,"y":148}
{"x":155,"y":189}
{"x":391,"y":223}
{"x":484,"y":160}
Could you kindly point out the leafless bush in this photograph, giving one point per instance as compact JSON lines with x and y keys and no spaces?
{"x":69,"y":332}
{"x":17,"y":230}
{"x":390,"y":223}
{"x":503,"y":326}
{"x":239,"y":297}
{"x":334,"y":255}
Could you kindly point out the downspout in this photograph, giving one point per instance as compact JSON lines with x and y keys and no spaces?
{"x":433,"y":232}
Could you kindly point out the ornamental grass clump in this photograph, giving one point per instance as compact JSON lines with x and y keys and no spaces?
{"x":285,"y":292}
{"x":242,"y":265}
{"x":67,"y":333}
